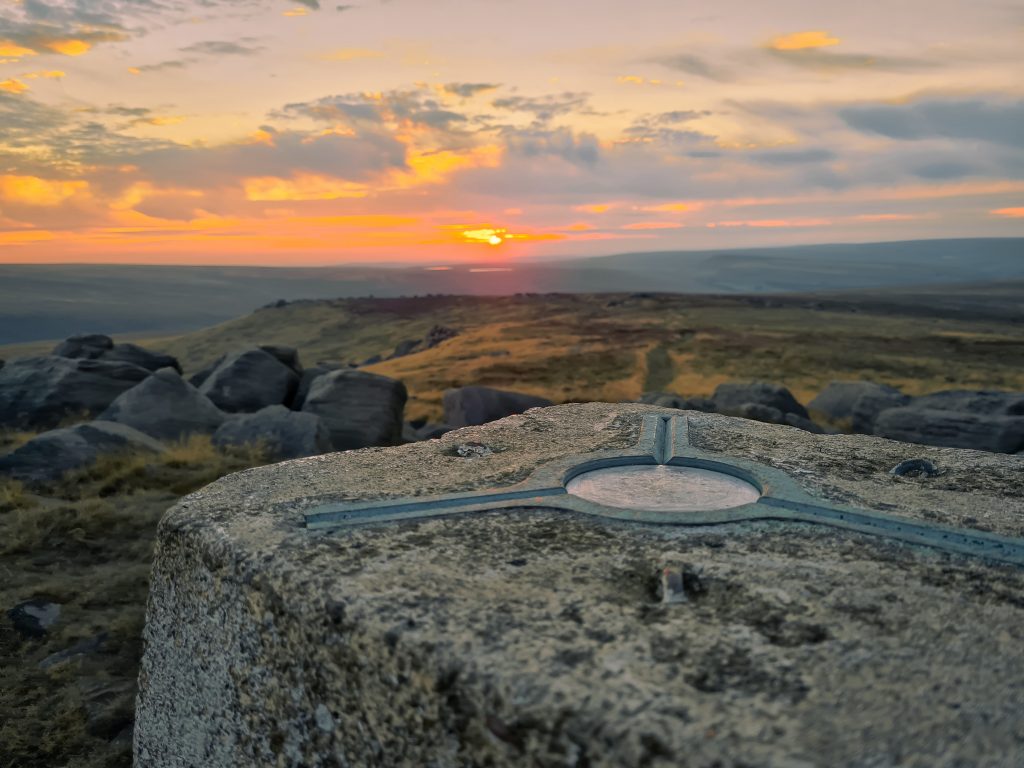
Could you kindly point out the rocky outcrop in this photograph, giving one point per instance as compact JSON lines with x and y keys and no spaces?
{"x":47,"y":457}
{"x":309,"y":375}
{"x":359,"y":409}
{"x":952,"y":429}
{"x":281,"y":433}
{"x":166,"y":407}
{"x":841,"y":400}
{"x":981,"y":402}
{"x":731,"y":397}
{"x":96,"y":346}
{"x":87,"y":346}
{"x":287,"y":356}
{"x":468,"y":406}
{"x":41,"y":392}
{"x":246,"y":381}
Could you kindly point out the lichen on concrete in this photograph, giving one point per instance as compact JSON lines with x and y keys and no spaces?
{"x":528,"y":637}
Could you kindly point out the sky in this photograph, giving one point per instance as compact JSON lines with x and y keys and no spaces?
{"x":381,"y":131}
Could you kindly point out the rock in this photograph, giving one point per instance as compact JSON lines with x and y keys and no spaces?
{"x":197,"y":378}
{"x":245,"y":382}
{"x":285,"y":434}
{"x":952,"y":429}
{"x":87,"y":346}
{"x":980,"y":402}
{"x":33,"y":618}
{"x":759,"y":412}
{"x":288,"y":356}
{"x":731,"y":396}
{"x":870,"y":404}
{"x":432,"y":431}
{"x":132,"y":353}
{"x":309,"y":375}
{"x":359,"y":409}
{"x":45,"y":458}
{"x":108,"y":705}
{"x":404,"y":348}
{"x":799,"y":422}
{"x":838,"y":400}
{"x":438,"y":334}
{"x":372,"y":360}
{"x":81,"y":648}
{"x":534,"y":637}
{"x":468,"y":406}
{"x":40,"y":392}
{"x":670,"y":400}
{"x":166,"y":407}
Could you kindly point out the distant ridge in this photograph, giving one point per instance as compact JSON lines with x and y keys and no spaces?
{"x":55,"y":301}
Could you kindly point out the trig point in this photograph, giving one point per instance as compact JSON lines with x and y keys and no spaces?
{"x":594,"y":585}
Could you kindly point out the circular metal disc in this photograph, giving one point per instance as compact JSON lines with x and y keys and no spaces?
{"x":663,"y":488}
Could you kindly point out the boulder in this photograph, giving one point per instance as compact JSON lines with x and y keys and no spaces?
{"x":46,"y":458}
{"x":437,"y":334}
{"x":245,"y":382}
{"x":792,"y":420}
{"x":870,"y":404}
{"x":838,"y":400}
{"x":88,"y":345}
{"x":729,"y":397}
{"x":197,"y":378}
{"x":468,"y":406}
{"x":360,"y":409}
{"x":34,"y":618}
{"x":40,"y":392}
{"x":670,"y":400}
{"x":309,"y":375}
{"x":973,"y":401}
{"x":404,"y":348}
{"x":166,"y":407}
{"x":288,"y":356}
{"x":759,"y":412}
{"x":952,"y":429}
{"x":283,"y":433}
{"x":133,"y":353}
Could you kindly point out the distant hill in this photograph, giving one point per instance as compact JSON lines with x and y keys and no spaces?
{"x":53,"y":301}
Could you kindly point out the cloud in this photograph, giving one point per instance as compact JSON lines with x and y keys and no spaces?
{"x":362,"y":109}
{"x":161,"y":65}
{"x":544,"y":108}
{"x":13,"y":85}
{"x":801,"y":40}
{"x":694,"y":65}
{"x":223,"y":48}
{"x":469,"y":90}
{"x":793,"y":156}
{"x":826,"y":60}
{"x":311,"y":4}
{"x":964,"y":119}
{"x":575,"y":148}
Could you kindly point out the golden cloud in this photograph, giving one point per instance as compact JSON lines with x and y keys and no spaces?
{"x":32,"y":190}
{"x":1012,"y":213}
{"x":800,"y":40}
{"x":11,"y":85}
{"x":14,"y":50}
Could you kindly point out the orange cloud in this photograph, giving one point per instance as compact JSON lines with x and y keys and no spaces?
{"x":433,"y":167}
{"x":1012,"y":213}
{"x":15,"y":51}
{"x":69,"y":47}
{"x":595,"y":208}
{"x":653,"y":225}
{"x":31,"y":190}
{"x":302,"y":186}
{"x":296,"y":12}
{"x":25,"y":237}
{"x":12,"y":85}
{"x":674,"y":207}
{"x":800,"y":40}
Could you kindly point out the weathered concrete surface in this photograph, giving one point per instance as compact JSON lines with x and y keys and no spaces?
{"x":535,"y":638}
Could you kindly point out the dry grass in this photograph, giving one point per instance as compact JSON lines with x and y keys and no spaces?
{"x":86,"y":543}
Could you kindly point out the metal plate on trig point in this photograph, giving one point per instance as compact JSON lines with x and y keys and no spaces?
{"x":664,"y":480}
